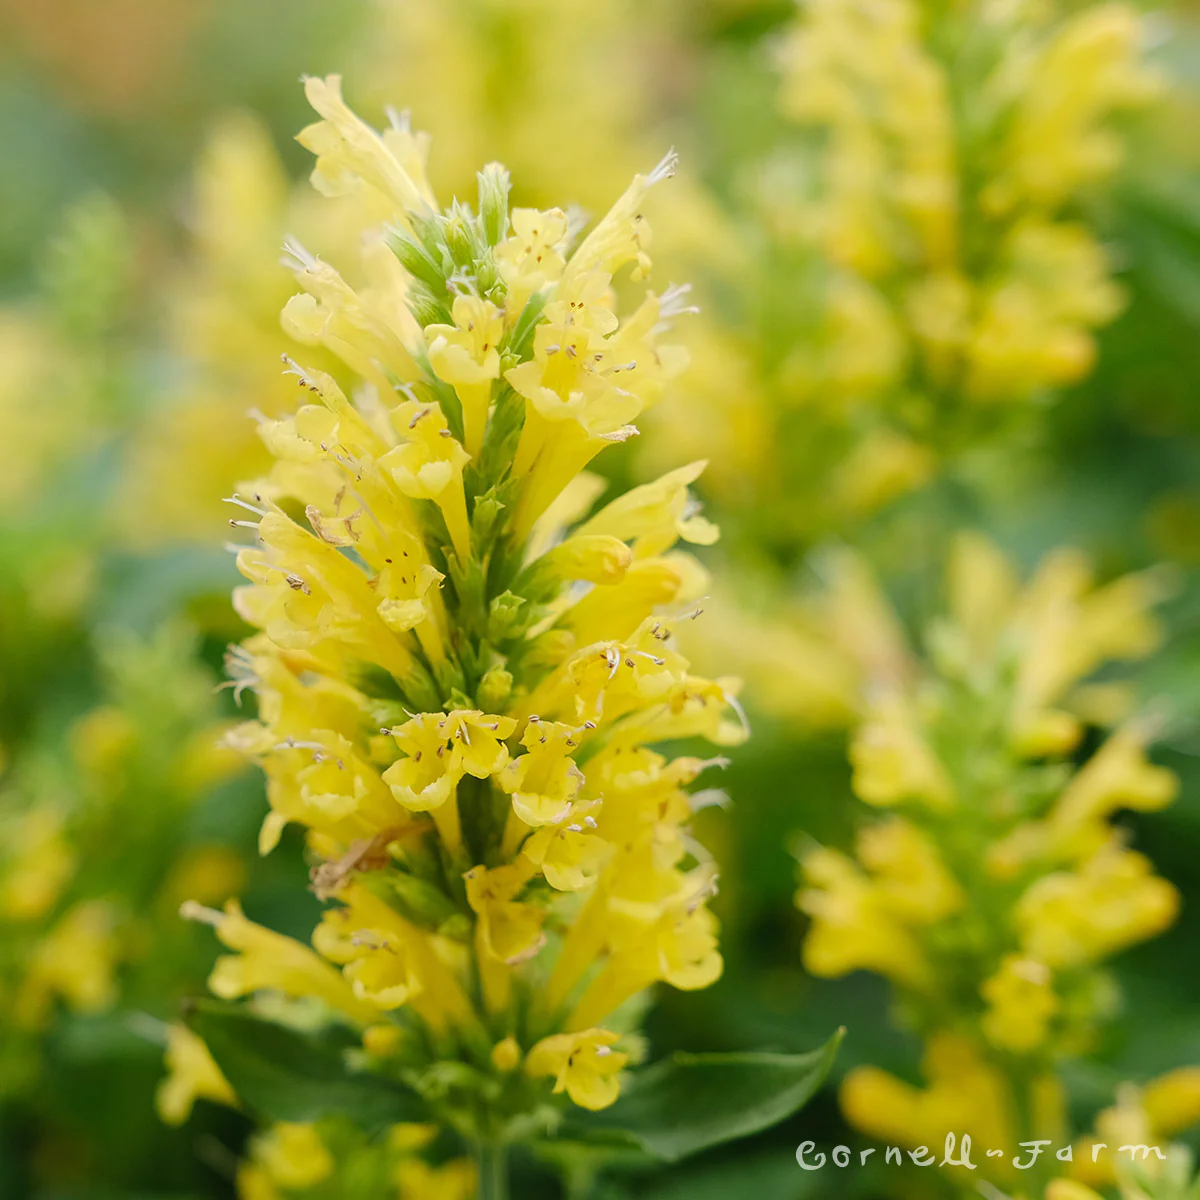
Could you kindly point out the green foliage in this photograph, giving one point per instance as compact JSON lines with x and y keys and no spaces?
{"x":286,"y":1074}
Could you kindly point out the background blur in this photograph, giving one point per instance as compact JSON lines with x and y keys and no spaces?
{"x":149,"y":180}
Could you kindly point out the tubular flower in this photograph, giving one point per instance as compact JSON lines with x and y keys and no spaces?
{"x":997,"y":882}
{"x":459,"y":673}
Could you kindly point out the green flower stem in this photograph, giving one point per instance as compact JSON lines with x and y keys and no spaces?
{"x":493,"y":1171}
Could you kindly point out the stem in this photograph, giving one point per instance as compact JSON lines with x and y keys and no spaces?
{"x":493,"y":1171}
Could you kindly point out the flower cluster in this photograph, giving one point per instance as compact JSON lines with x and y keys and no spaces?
{"x":958,"y":147}
{"x":922,"y":264}
{"x":997,"y":882}
{"x":460,"y":675}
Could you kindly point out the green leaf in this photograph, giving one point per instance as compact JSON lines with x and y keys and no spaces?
{"x":287,"y":1074}
{"x":690,"y":1102}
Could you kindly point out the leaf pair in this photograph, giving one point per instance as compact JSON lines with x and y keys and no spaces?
{"x":673,"y":1109}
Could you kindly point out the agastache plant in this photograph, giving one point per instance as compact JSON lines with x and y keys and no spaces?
{"x":460,"y":674}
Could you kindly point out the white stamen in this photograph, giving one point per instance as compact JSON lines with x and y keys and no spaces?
{"x":193,"y":910}
{"x":665,"y":169}
{"x":296,"y":257}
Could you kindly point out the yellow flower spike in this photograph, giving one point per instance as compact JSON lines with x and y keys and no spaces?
{"x":1021,"y":1004}
{"x":544,"y":782}
{"x":266,"y":960}
{"x":515,"y":619}
{"x":466,"y":356}
{"x":583,"y":1064}
{"x":428,"y":466}
{"x":349,"y":152}
{"x":191,"y":1075}
{"x":293,"y":1155}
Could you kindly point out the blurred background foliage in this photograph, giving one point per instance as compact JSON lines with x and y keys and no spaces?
{"x":150,"y":181}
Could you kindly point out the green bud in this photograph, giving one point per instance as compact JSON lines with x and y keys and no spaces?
{"x":486,"y":516}
{"x":504,"y":615}
{"x":417,"y":260}
{"x":457,"y":928}
{"x":425,"y":305}
{"x":462,"y":237}
{"x":494,"y":689}
{"x":494,"y":187}
{"x":421,"y":902}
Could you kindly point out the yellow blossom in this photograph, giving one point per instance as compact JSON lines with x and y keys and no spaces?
{"x":264,"y":959}
{"x":466,"y":355}
{"x":584,"y":1065}
{"x":191,"y":1075}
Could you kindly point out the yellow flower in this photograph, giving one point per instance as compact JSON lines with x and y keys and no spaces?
{"x":76,"y":960}
{"x":350,"y":153}
{"x":509,"y":931}
{"x":456,"y":1180}
{"x":1021,"y":1003}
{"x":266,"y":960}
{"x":965,"y":1094}
{"x":191,"y":1075}
{"x":584,"y":1065}
{"x":466,"y":355}
{"x":544,"y":782}
{"x":531,"y":257}
{"x":893,"y":763}
{"x":428,"y":466}
{"x":654,"y":516}
{"x":1113,"y":900}
{"x":293,"y":1155}
{"x":853,"y":923}
{"x":39,"y":863}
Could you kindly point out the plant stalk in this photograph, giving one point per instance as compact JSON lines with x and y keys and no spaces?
{"x":492,"y":1158}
